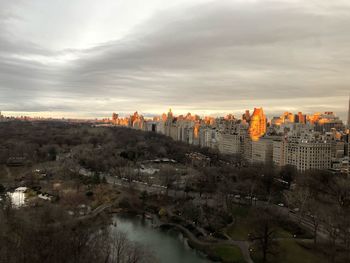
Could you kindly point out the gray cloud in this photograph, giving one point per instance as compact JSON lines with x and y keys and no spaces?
{"x":214,"y":57}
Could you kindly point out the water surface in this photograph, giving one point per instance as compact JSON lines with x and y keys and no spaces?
{"x":168,"y":246}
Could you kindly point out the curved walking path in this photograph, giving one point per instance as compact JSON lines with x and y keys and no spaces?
{"x":98,"y":210}
{"x":95,"y":212}
{"x":243,"y":245}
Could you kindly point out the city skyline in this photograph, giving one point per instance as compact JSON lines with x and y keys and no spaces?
{"x":87,"y":59}
{"x":237,"y":114}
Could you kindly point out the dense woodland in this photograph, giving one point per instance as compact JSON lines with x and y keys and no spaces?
{"x":104,"y":147}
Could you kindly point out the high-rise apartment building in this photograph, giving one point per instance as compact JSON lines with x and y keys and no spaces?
{"x":300,"y":118}
{"x":257,"y":127}
{"x":326,"y":122}
{"x":306,"y":155}
{"x":262,"y":150}
{"x":278,"y":152}
{"x":231,"y":135}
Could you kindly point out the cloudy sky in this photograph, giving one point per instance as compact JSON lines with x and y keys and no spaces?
{"x":88,"y":58}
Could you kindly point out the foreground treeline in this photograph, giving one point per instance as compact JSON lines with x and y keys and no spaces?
{"x":324,"y":199}
{"x":47,"y":234}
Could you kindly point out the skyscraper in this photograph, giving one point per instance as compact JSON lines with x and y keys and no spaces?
{"x":257,"y":126}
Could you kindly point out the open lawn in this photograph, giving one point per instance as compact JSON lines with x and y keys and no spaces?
{"x":291,"y":252}
{"x":229,"y":253}
{"x":240,"y":230}
{"x":244,"y":225}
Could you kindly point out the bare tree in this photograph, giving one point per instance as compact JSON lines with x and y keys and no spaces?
{"x":264,"y":233}
{"x":46,"y":235}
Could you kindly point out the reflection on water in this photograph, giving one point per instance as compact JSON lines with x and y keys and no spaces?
{"x":169,"y":246}
{"x":17,"y":198}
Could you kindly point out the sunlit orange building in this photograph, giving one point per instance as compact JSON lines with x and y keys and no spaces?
{"x":257,"y":126}
{"x":301,"y":118}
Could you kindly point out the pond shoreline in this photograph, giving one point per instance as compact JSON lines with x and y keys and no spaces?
{"x":136,"y":223}
{"x":193,"y":242}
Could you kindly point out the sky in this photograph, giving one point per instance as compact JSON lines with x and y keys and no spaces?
{"x":88,"y":58}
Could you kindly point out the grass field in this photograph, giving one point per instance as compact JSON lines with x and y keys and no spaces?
{"x":229,"y":253}
{"x":244,"y":225}
{"x":290,"y":252}
{"x":240,"y":230}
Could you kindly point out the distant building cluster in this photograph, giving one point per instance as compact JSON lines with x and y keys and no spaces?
{"x":318,"y":141}
{"x":4,"y":118}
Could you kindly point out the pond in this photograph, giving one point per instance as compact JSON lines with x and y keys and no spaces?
{"x":168,"y":246}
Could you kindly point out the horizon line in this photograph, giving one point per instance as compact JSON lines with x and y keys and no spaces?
{"x":124,"y":114}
